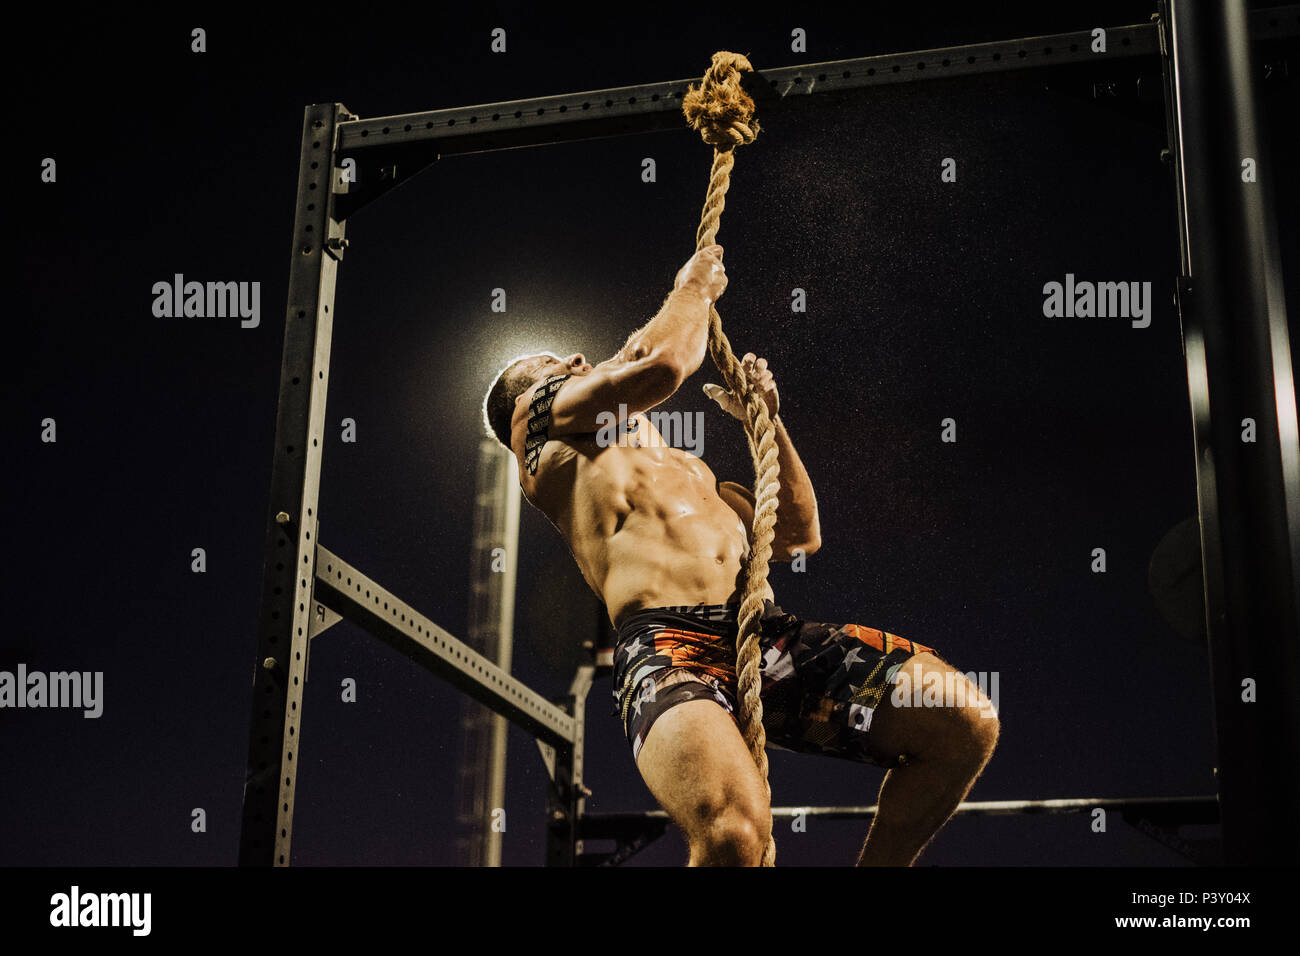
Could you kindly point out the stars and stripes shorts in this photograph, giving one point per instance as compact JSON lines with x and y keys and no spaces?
{"x":821,"y":682}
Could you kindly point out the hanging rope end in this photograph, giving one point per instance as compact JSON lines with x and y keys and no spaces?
{"x":719,"y":108}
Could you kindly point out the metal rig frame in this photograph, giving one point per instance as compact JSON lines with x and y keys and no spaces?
{"x":1232,"y":310}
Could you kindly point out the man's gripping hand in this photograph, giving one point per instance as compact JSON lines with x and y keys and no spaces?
{"x":757,"y":372}
{"x":655,"y":360}
{"x":703,"y":273}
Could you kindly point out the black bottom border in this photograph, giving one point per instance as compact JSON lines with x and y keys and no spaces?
{"x":488,"y":908}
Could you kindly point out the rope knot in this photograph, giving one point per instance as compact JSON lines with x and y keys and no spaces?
{"x":719,"y":107}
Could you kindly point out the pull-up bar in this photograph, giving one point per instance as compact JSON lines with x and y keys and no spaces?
{"x":657,"y":106}
{"x":390,"y":149}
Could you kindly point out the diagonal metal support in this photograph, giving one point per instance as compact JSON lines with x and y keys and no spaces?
{"x":380,"y":612}
{"x":1163,"y":824}
{"x":630,"y":840}
{"x":322,"y":619}
{"x":548,"y":758}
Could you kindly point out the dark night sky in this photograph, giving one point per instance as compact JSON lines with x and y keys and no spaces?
{"x":924,"y":303}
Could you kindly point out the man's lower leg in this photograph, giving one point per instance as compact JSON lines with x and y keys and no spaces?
{"x":917,"y":799}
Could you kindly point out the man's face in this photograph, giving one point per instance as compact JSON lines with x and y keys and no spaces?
{"x":538,"y":367}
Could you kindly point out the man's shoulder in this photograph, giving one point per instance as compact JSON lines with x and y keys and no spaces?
{"x":551,"y":485}
{"x":548,"y":458}
{"x":531,"y":421}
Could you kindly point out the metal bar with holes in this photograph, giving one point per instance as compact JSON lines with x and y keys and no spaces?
{"x":652,"y":107}
{"x":344,"y":589}
{"x":389,"y":150}
{"x":280,"y":661}
{"x":657,"y":106}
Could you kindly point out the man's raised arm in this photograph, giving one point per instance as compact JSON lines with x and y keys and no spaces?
{"x":798,"y":526}
{"x":656,"y":358}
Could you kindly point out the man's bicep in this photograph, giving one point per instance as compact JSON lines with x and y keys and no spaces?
{"x":740,"y":500}
{"x":609,"y":393}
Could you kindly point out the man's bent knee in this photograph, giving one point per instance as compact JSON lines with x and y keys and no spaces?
{"x":941,"y":712}
{"x":971,"y":726}
{"x":736,"y":836}
{"x":979,"y":730}
{"x":729,"y":828}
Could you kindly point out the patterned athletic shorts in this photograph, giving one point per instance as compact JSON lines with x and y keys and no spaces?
{"x":821,"y":682}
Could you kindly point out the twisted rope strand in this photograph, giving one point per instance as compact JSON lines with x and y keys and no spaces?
{"x":723,"y":113}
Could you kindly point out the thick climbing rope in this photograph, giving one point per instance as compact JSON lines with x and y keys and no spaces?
{"x":724,"y":115}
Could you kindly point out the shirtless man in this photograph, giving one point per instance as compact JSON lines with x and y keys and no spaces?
{"x":660,"y":540}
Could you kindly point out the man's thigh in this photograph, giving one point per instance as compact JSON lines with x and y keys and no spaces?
{"x":935,"y":703}
{"x":697,"y":766}
{"x":824,"y":685}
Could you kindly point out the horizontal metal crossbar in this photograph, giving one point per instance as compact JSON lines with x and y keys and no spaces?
{"x":345,"y":590}
{"x":1189,"y":809}
{"x":1007,"y":807}
{"x":657,"y":106}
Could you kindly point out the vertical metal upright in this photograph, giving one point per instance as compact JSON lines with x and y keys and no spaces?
{"x":1233,"y":313}
{"x":280,"y":663}
{"x":566,"y":795}
{"x":481,"y":775}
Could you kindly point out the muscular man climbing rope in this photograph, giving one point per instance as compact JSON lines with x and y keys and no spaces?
{"x":661,"y":541}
